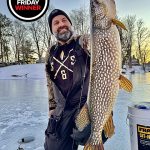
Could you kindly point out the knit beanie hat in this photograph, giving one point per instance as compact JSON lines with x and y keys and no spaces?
{"x":55,"y":13}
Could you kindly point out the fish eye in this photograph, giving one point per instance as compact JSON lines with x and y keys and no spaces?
{"x":113,"y":1}
{"x":98,"y":1}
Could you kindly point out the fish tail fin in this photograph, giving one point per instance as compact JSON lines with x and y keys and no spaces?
{"x":109,"y":128}
{"x":94,"y":147}
{"x":119,"y":23}
{"x":125,"y":84}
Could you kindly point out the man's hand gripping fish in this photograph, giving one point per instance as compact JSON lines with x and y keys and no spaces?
{"x":105,"y":71}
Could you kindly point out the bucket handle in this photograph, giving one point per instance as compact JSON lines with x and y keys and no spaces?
{"x":128,"y":124}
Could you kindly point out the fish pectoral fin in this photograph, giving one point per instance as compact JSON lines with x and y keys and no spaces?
{"x":125,"y":84}
{"x":82,"y":119}
{"x":119,"y":23}
{"x":93,"y":147}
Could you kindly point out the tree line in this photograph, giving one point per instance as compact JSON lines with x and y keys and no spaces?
{"x":25,"y":42}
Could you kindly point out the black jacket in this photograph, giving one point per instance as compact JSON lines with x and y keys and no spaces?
{"x":80,"y":74}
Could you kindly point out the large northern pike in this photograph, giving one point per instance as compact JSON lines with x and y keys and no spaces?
{"x":105,"y":70}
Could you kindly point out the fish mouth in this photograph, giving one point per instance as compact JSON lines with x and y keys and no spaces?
{"x":99,"y":15}
{"x":98,"y":5}
{"x":98,"y":10}
{"x":96,"y":1}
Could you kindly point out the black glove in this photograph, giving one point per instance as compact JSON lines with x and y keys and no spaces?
{"x":81,"y":137}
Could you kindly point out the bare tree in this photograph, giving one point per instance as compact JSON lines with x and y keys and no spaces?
{"x":128,"y":38}
{"x":123,"y":43}
{"x":6,"y":51}
{"x":80,"y":19}
{"x":5,"y":24}
{"x":41,"y":36}
{"x":19,"y":34}
{"x":36,"y":30}
{"x":142,"y":35}
{"x":27,"y":52}
{"x":47,"y":37}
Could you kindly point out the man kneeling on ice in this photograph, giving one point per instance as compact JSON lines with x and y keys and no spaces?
{"x":67,"y":72}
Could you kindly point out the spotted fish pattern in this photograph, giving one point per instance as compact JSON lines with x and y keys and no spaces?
{"x":105,"y":67}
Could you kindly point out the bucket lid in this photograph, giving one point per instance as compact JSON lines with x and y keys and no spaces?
{"x":143,"y":105}
{"x":140,"y":110}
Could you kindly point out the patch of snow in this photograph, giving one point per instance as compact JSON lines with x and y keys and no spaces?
{"x":3,"y":147}
{"x":134,"y":69}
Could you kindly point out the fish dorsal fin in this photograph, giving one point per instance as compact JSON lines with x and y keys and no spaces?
{"x":125,"y":83}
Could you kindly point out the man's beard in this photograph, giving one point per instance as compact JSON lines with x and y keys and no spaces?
{"x":65,"y":36}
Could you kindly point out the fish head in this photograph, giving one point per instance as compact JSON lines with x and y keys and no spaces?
{"x":102,"y":9}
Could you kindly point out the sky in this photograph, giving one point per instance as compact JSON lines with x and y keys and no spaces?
{"x":140,"y":8}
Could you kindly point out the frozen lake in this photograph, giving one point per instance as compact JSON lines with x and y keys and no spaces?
{"x":24,"y":112}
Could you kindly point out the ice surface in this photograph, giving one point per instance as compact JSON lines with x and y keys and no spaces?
{"x":33,"y":71}
{"x":24,"y":107}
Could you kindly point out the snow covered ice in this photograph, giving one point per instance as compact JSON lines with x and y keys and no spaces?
{"x":33,"y":71}
{"x":24,"y":107}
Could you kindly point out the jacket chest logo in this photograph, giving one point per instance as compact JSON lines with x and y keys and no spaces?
{"x":62,"y":55}
{"x":62,"y":67}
